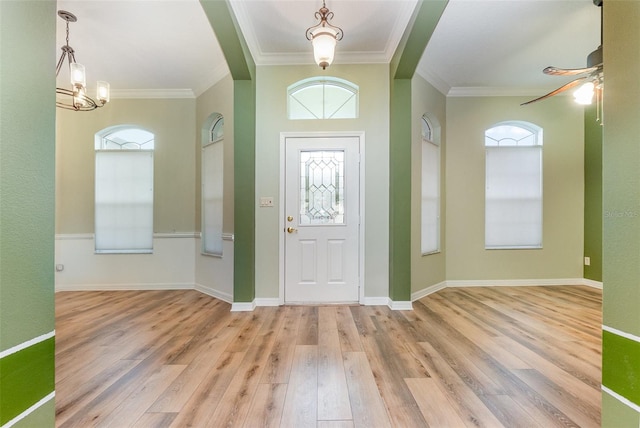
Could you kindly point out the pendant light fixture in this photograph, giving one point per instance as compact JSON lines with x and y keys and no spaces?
{"x":324,"y":37}
{"x":76,"y":98}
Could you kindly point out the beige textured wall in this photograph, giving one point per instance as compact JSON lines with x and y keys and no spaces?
{"x":172,"y":122}
{"x":563,"y":154}
{"x":271,"y":120}
{"x":429,"y":269}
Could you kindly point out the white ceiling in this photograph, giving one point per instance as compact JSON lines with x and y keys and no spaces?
{"x":479,"y":46}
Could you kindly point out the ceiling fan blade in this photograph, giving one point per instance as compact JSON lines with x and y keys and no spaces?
{"x":555,"y":71}
{"x":562,"y":88}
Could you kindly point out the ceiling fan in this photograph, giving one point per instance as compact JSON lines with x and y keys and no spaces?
{"x":591,"y":77}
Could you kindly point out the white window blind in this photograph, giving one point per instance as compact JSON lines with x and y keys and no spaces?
{"x":513,"y":197}
{"x":124,"y":201}
{"x":430,"y":212}
{"x":212,"y":193}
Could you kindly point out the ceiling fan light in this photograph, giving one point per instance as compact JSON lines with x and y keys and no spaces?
{"x":584,"y":94}
{"x":324,"y":45}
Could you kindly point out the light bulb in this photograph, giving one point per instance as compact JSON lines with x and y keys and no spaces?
{"x":103,"y":91}
{"x":584,"y":94}
{"x":78,"y":76}
{"x":79,"y":98}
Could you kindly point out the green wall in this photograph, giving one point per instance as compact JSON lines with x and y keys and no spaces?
{"x":27,"y":156}
{"x":621,"y":223}
{"x":593,"y":194}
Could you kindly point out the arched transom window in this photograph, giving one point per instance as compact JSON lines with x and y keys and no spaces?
{"x":322,"y":98}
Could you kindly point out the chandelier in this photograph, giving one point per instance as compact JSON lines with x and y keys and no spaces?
{"x":76,"y":98}
{"x":323,"y":37}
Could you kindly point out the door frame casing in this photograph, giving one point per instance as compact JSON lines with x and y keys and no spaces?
{"x":281,"y":222}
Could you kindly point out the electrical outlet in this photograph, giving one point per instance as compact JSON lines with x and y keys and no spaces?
{"x":587,"y":261}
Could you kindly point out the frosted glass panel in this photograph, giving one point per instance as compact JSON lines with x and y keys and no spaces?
{"x":322,"y":187}
{"x":307,"y":103}
{"x":339,"y":103}
{"x":126,"y":139}
{"x":510,"y":135}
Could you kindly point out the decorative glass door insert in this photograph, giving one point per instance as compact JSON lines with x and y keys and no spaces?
{"x":322,"y":187}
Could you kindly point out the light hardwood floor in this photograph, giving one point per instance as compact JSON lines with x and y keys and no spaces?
{"x":464,"y":357}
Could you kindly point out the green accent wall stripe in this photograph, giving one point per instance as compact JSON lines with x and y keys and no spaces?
{"x":26,"y":376}
{"x":621,"y":399}
{"x":616,"y":411}
{"x":620,"y":368}
{"x":27,"y":344}
{"x":32,"y":411}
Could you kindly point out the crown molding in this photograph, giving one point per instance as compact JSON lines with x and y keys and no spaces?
{"x":494,"y":91}
{"x":433,"y":79}
{"x":241,"y":12}
{"x":151,"y":93}
{"x":219,"y":73}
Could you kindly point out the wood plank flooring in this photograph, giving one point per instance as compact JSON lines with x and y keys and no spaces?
{"x":464,"y":357}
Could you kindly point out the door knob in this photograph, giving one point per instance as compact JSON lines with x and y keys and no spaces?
{"x":291,"y":229}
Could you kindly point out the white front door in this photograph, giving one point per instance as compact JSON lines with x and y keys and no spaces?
{"x":322,"y":215}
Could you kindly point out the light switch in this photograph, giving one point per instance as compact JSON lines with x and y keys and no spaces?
{"x":266,"y":201}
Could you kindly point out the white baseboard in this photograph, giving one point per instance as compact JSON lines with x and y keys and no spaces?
{"x":122,"y":287}
{"x":375,"y":301}
{"x":429,"y":290}
{"x":514,"y":282}
{"x":243,"y":306}
{"x":592,"y":283}
{"x":400,"y":305}
{"x":267,"y":301}
{"x":225,"y":297}
{"x":503,"y":283}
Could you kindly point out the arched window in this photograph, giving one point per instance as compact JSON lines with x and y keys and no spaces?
{"x":124,"y":190}
{"x":322,"y":98}
{"x":212,"y":184}
{"x":513,"y":186}
{"x":430,"y":186}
